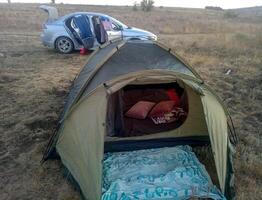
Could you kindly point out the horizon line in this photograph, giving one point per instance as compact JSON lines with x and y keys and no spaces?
{"x":158,"y":6}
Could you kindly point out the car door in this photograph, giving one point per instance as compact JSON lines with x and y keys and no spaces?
{"x":83,"y":30}
{"x":80,"y":29}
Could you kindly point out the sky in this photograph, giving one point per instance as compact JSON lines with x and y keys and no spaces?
{"x":171,"y":3}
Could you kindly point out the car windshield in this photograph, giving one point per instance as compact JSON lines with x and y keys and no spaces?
{"x":118,"y":23}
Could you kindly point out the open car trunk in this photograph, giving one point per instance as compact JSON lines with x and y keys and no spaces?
{"x":51,"y":11}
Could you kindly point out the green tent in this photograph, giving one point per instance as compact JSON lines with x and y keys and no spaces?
{"x":82,"y":135}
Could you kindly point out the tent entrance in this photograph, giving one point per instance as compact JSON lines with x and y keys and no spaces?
{"x":124,"y":133}
{"x":122,"y":109}
{"x":130,"y":134}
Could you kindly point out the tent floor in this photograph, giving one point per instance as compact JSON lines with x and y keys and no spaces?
{"x":200,"y":144}
{"x":126,"y":162}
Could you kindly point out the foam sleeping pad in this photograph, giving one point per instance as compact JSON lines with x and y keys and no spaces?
{"x":163,"y":173}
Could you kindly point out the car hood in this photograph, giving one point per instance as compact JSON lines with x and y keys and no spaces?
{"x":133,"y":31}
{"x":52,"y":12}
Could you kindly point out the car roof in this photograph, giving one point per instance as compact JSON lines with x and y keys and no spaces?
{"x":81,"y":13}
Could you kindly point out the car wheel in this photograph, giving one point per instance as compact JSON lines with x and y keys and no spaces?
{"x":64,"y":45}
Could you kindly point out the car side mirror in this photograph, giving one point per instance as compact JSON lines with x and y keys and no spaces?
{"x":118,"y":28}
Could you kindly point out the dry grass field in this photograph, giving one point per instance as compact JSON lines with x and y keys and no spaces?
{"x":34,"y":82}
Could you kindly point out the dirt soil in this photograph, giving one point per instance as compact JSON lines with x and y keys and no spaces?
{"x":34,"y":82}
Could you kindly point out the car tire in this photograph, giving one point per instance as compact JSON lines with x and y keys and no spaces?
{"x":64,"y":45}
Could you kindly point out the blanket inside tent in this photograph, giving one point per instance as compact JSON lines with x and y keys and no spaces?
{"x":162,"y":173}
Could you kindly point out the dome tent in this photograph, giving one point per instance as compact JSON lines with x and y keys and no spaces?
{"x":81,"y":137}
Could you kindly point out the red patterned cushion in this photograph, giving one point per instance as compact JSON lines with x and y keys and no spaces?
{"x":140,"y":110}
{"x":162,"y":108}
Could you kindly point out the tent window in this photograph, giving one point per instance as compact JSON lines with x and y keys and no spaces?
{"x":120,"y":125}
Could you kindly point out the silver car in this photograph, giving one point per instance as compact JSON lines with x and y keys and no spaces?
{"x":58,"y":31}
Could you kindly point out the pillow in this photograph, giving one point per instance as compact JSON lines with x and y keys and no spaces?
{"x":172,"y":94}
{"x":162,"y":108}
{"x":140,"y":110}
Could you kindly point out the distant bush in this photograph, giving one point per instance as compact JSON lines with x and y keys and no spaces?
{"x":259,"y":39}
{"x":250,"y":40}
{"x":135,"y":7}
{"x":213,"y":8}
{"x":242,"y":37}
{"x":147,"y":5}
{"x":230,"y":14}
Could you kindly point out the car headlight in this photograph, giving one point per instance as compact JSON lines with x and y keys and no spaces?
{"x":152,"y":37}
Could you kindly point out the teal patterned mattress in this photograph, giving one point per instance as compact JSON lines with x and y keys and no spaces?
{"x":163,"y":173}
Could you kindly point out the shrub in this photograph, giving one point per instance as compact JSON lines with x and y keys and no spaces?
{"x":242,"y":37}
{"x":147,"y":5}
{"x":230,"y":14}
{"x":213,"y":8}
{"x":258,"y":39}
{"x":135,"y":7}
{"x":250,"y":40}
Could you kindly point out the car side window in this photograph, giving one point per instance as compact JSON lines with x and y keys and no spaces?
{"x":107,"y":23}
{"x":115,"y":27}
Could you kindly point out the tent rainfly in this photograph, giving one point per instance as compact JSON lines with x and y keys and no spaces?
{"x":86,"y":127}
